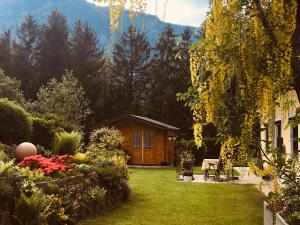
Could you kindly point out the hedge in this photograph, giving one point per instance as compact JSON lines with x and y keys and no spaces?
{"x":15,"y":123}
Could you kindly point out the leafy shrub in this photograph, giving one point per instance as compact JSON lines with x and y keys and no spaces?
{"x":43,"y":132}
{"x":83,"y":168}
{"x":65,"y":98}
{"x":3,"y":156}
{"x":45,"y":127}
{"x":10,"y":88}
{"x":66,"y":143}
{"x":126,"y":190}
{"x":56,"y":213}
{"x":81,"y":158}
{"x":10,"y":151}
{"x":35,"y":175}
{"x":93,"y":198}
{"x":29,"y":209}
{"x":6,"y":194}
{"x":47,"y":166}
{"x":210,"y":149}
{"x":15,"y":125}
{"x":6,"y":168}
{"x":59,"y":122}
{"x":108,"y":138}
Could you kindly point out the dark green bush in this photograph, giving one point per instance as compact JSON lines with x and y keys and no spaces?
{"x":15,"y":123}
{"x":60,"y":122}
{"x":210,"y":149}
{"x":6,"y":195}
{"x":43,"y":132}
{"x":45,"y":127}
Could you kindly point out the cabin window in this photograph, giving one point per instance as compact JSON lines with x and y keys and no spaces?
{"x":148,"y":139}
{"x":137,"y":139}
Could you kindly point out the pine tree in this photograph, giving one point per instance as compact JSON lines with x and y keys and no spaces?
{"x":131,"y":61}
{"x":183,"y":82}
{"x":165,"y":70}
{"x":25,"y":56}
{"x":54,"y":47}
{"x":90,"y":65}
{"x":6,"y":52}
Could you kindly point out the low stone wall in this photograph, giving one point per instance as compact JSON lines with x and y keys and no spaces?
{"x":280,"y":220}
{"x":270,"y":218}
{"x":268,"y":215}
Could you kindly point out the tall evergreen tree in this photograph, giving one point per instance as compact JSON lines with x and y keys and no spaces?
{"x":131,"y":63}
{"x":163,"y":74}
{"x":25,"y":56}
{"x":90,"y":65}
{"x":170,"y":75}
{"x":54,"y":47}
{"x":6,"y":52}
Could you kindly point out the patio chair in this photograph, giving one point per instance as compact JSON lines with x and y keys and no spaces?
{"x":217,"y":167}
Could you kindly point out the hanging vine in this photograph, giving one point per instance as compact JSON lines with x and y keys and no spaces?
{"x":135,"y":6}
{"x":241,"y":68}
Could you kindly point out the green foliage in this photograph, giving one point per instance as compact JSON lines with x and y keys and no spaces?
{"x":35,"y":176}
{"x":107,"y":138}
{"x":15,"y":126}
{"x":29,"y":209}
{"x":10,"y":88}
{"x":80,"y":158}
{"x":9,"y":152}
{"x":3,"y":156}
{"x":6,"y":194}
{"x":59,"y":122}
{"x":43,"y":132}
{"x":55,"y":212}
{"x":210,"y":149}
{"x":65,"y":98}
{"x":66,"y":143}
{"x":45,"y":127}
{"x":6,"y":168}
{"x":93,"y":199}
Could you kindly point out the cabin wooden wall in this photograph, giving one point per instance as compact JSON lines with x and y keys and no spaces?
{"x":163,"y":149}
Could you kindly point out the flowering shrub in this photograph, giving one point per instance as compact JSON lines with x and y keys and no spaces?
{"x":45,"y":165}
{"x":108,"y":138}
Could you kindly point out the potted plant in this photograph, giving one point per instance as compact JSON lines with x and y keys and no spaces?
{"x":187,"y":165}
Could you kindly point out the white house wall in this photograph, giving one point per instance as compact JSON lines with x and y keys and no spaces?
{"x":285,"y":130}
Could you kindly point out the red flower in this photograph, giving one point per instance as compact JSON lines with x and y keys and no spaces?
{"x":47,"y":166}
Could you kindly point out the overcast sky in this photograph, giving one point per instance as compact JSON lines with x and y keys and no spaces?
{"x":186,"y":12}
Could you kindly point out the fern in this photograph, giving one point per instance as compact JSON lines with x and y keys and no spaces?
{"x":66,"y":143}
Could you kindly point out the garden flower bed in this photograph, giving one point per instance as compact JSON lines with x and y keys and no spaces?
{"x":65,"y":185}
{"x":59,"y":194}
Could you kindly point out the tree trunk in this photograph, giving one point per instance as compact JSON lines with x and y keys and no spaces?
{"x":296,"y":52}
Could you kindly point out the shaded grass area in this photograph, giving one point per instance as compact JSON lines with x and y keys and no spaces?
{"x":158,"y":199}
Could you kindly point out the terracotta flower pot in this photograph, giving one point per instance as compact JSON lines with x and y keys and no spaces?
{"x":25,"y":149}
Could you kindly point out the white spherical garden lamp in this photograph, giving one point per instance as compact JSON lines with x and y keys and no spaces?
{"x":25,"y":149}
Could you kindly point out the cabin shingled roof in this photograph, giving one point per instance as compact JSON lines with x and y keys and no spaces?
{"x":145,"y":120}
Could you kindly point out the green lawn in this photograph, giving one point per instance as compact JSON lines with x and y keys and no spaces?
{"x":158,"y":199}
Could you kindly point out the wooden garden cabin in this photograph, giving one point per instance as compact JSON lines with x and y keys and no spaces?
{"x":147,"y":141}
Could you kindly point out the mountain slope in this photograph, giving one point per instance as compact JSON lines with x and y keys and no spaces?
{"x":13,"y":12}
